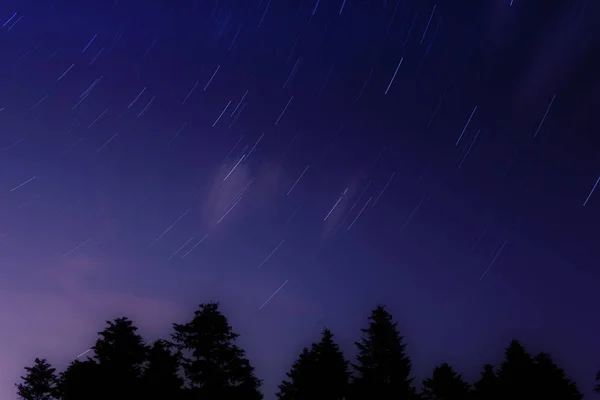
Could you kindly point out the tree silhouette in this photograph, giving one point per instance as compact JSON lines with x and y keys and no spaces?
{"x":320,"y":373}
{"x":445,"y":384}
{"x":488,"y":386}
{"x":160,"y":378}
{"x":204,"y":363}
{"x":516,"y":373}
{"x":40,"y":382}
{"x":299,"y":376}
{"x":82,"y":380}
{"x":214,"y":366}
{"x":382,"y":368}
{"x":524,"y":377}
{"x":120,"y":354}
{"x":597,"y":387}
{"x":550,"y":380}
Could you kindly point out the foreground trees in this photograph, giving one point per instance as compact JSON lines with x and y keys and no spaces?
{"x":445,"y":383}
{"x":382,"y":369}
{"x":488,"y":385}
{"x":320,"y":373}
{"x":522,"y":376}
{"x":202,"y":362}
{"x":40,"y":382}
{"x":215,"y":367}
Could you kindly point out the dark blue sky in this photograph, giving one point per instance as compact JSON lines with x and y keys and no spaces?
{"x":432,"y":156}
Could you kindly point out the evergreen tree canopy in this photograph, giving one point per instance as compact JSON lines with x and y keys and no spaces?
{"x":516,"y":372}
{"x":487,"y":387}
{"x":204,"y":363}
{"x":382,"y":368}
{"x":445,"y":384}
{"x":550,"y":380}
{"x":597,"y":387}
{"x":120,"y":354}
{"x":120,"y":348}
{"x":299,"y":377}
{"x":160,"y":378}
{"x":82,"y":380}
{"x":524,"y":377}
{"x":40,"y":382}
{"x":215,"y":367}
{"x":320,"y":373}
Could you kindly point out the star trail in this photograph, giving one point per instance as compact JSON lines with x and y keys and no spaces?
{"x":301,"y":161}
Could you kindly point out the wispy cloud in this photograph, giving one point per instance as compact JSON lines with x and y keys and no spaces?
{"x":236,"y":186}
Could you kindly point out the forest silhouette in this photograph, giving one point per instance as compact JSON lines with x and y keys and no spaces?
{"x":202,"y":362}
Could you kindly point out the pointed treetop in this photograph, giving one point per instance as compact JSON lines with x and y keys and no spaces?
{"x":486,"y":388}
{"x":320,"y":372}
{"x":382,"y":331}
{"x":39,"y":383}
{"x":515,"y":355}
{"x":445,"y":383}
{"x":326,"y":335}
{"x":214,"y":366}
{"x":382,"y":363}
{"x":209,"y":320}
{"x":380,"y":314}
{"x":119,"y":342}
{"x":517,"y":360}
{"x":488,"y":375}
{"x":516,"y":351}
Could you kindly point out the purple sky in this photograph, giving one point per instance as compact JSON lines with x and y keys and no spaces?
{"x":247,"y":122}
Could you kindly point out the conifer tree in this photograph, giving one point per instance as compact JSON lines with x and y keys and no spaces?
{"x":445,"y":384}
{"x":383,"y":368}
{"x":516,"y":373}
{"x":120,"y":354}
{"x":298,"y":377}
{"x":487,"y":387}
{"x":597,"y":387}
{"x":551,"y":382}
{"x":40,"y":382}
{"x":523,"y":377}
{"x":160,"y":377}
{"x":82,"y":380}
{"x":320,"y":373}
{"x":214,"y":366}
{"x":120,"y":347}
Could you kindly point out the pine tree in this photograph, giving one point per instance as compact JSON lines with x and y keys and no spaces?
{"x":487,"y":387}
{"x":160,"y":378}
{"x":445,"y":384}
{"x":597,"y":387}
{"x":516,"y":373}
{"x":383,"y":369}
{"x":320,"y":373}
{"x":83,"y":380}
{"x":551,"y":382}
{"x":40,"y":382}
{"x":214,"y":366}
{"x":299,"y":377}
{"x":120,"y":354}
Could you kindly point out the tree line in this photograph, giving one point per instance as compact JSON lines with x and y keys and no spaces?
{"x":202,"y":362}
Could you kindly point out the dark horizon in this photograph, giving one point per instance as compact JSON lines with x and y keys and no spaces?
{"x":124,"y":364}
{"x":301,"y":162}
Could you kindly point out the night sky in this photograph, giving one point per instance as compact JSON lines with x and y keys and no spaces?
{"x":301,"y":161}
